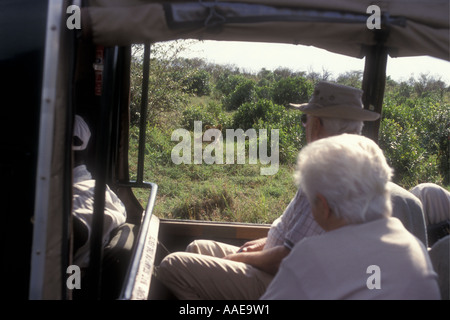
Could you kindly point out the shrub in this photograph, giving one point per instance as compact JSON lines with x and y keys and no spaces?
{"x":264,"y":114}
{"x":196,"y":113}
{"x":227,"y":83}
{"x":414,"y":136}
{"x":244,"y":92}
{"x":198,"y":83}
{"x":248,"y":114}
{"x":158,"y":145}
{"x":290,"y":135}
{"x":287,"y":90}
{"x":210,"y":114}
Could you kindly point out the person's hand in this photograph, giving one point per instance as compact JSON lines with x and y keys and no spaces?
{"x":238,"y":257}
{"x":266,"y":260}
{"x":254,"y":245}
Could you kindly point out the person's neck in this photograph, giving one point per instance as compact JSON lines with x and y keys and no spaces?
{"x":334,"y":224}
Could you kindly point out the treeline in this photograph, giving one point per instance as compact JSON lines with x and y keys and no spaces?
{"x":415,"y":126}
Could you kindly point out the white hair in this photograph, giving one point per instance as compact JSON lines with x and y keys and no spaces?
{"x":335,"y":126}
{"x":351,"y":172}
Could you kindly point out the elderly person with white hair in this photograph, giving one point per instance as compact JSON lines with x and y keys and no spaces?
{"x":364,"y":253}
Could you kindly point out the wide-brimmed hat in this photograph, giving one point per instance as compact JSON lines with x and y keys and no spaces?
{"x":82,"y":132}
{"x":331,"y":100}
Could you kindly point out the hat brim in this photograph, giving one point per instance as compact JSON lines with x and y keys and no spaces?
{"x":337,"y":111}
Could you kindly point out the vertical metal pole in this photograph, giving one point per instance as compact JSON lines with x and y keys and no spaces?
{"x":143,"y":119}
{"x":102,"y":167}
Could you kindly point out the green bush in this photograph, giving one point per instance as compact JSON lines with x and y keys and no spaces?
{"x":414,"y":136}
{"x":198,"y":83}
{"x":209,"y":114}
{"x":248,"y":114}
{"x":265,"y":114}
{"x":227,"y":83}
{"x":290,"y":135}
{"x":291,"y":90}
{"x":196,"y":113}
{"x":244,"y":92}
{"x":158,"y":146}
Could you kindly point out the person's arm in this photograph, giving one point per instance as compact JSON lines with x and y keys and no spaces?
{"x":254,"y":245}
{"x":266,"y":260}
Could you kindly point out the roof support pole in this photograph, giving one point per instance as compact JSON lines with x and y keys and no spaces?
{"x":102,"y":164}
{"x":374,"y":80}
{"x":144,"y":107}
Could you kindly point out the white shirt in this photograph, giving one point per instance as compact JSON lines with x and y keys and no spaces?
{"x":83,"y":209}
{"x":296,"y":223}
{"x":342,"y":264}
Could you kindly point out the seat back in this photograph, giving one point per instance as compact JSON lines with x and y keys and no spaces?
{"x":116,"y":258}
{"x":408,"y":209}
{"x":439,"y":254}
{"x":436,"y":209}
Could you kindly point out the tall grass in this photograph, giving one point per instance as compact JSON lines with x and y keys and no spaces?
{"x":228,"y":192}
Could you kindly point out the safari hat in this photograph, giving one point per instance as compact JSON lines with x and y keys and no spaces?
{"x":82,"y":132}
{"x":331,"y":100}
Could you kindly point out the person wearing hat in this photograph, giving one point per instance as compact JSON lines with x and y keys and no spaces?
{"x":213,"y":270}
{"x":83,"y":199}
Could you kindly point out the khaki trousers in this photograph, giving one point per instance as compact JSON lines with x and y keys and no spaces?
{"x":201,"y":273}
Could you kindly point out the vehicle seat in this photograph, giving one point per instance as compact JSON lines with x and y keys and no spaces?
{"x":116,"y":258}
{"x":408,"y":208}
{"x":436,"y":207}
{"x":439,"y":254}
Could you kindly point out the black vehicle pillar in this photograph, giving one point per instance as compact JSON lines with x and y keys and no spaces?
{"x":374,"y":80}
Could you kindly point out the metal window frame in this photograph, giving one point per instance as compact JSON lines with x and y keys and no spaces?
{"x":45,"y":149}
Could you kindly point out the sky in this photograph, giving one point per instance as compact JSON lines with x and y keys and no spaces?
{"x":253,"y":57}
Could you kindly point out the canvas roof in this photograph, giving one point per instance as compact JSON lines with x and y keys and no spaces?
{"x":412,"y":28}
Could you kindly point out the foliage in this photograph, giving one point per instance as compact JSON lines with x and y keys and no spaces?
{"x":158,"y":145}
{"x":414,"y":132}
{"x":295,"y":90}
{"x":198,"y":83}
{"x":414,"y":136}
{"x":210,"y":114}
{"x":243,"y":92}
{"x":167,"y":83}
{"x":228,"y":82}
{"x":351,"y":78}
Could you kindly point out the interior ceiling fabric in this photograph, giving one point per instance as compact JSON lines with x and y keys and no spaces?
{"x":410,"y":28}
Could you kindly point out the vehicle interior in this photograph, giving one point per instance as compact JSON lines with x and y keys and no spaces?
{"x":87,"y":72}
